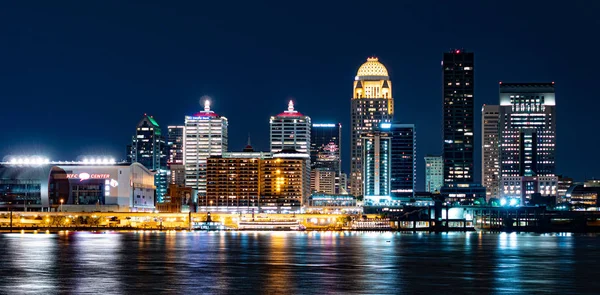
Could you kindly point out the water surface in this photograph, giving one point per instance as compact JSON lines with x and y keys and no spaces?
{"x":299,"y":263}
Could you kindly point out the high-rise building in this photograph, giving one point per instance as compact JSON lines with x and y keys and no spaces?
{"x":372,"y":104}
{"x":325,"y":146}
{"x":527,"y":141}
{"x":490,"y":158}
{"x":290,"y":130}
{"x":458,"y":88}
{"x":233,"y":181}
{"x":434,"y":173}
{"x":325,"y":151}
{"x":205,"y":136}
{"x":284,"y":181}
{"x":403,"y":161}
{"x":376,"y":167}
{"x":175,"y":160}
{"x":149,"y":149}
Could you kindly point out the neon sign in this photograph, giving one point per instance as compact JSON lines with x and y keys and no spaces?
{"x":85,"y":176}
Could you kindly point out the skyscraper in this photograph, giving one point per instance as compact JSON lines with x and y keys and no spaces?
{"x":434,"y":173}
{"x":376,"y":167}
{"x":175,"y":161}
{"x":325,"y":155}
{"x":325,"y":146}
{"x":403,"y":161}
{"x":458,"y":88}
{"x":290,"y":130}
{"x":490,"y":159}
{"x":205,"y":136}
{"x":372,"y":104}
{"x":149,"y":149}
{"x":527,"y":141}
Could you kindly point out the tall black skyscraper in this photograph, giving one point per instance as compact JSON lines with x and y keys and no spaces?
{"x":459,"y":85}
{"x":150,"y":149}
{"x":403,"y":168}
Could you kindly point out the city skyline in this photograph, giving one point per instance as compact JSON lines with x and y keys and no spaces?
{"x":128,"y":93}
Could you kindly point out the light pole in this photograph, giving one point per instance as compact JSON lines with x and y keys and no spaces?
{"x":61,"y":207}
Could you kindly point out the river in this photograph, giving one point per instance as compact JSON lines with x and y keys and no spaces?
{"x":299,"y":263}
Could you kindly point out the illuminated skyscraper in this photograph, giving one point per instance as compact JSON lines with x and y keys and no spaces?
{"x":205,"y":136}
{"x":527,"y":141}
{"x":403,"y":161}
{"x":290,"y":130}
{"x":376,"y":167}
{"x":372,"y":104}
{"x":459,"y":87}
{"x":490,"y":159}
{"x":149,"y":149}
{"x":175,"y":161}
{"x":325,"y":156}
{"x":434,"y":173}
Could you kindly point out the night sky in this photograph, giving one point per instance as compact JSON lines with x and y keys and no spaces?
{"x":77,"y":76}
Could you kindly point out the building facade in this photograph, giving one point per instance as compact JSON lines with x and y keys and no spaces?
{"x":403,"y":161}
{"x":290,"y":130}
{"x":205,"y":136}
{"x":372,"y":104}
{"x":458,"y":90}
{"x":175,"y":161}
{"x":434,"y":173}
{"x":284,"y":182}
{"x":527,"y":136}
{"x":84,"y":186}
{"x":376,"y":167}
{"x":150,"y":149}
{"x":326,"y":151}
{"x":322,"y":181}
{"x":490,"y":158}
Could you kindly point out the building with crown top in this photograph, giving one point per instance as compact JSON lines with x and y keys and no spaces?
{"x":290,"y":130}
{"x":205,"y":136}
{"x":372,"y":104}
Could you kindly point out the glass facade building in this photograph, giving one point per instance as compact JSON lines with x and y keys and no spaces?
{"x":458,"y":90}
{"x":372,"y":104}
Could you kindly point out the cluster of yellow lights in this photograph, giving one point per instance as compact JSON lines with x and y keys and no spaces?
{"x":372,"y":68}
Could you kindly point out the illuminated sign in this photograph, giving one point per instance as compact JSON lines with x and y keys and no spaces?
{"x":84,"y":176}
{"x":386,"y":125}
{"x":323,"y":125}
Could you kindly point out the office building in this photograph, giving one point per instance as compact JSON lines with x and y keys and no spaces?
{"x":458,"y":89}
{"x":463,"y":193}
{"x":284,"y":182}
{"x":290,"y":130}
{"x":527,"y":135}
{"x":322,"y":181}
{"x":376,"y":167}
{"x":233,"y":182}
{"x":564,"y":183}
{"x":325,"y":150}
{"x":205,"y":136}
{"x":372,"y":104}
{"x":490,"y":158}
{"x":150,"y":149}
{"x":403,"y":161}
{"x":175,"y":160}
{"x":434,"y":173}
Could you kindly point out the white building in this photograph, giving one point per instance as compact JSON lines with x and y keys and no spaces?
{"x":290,"y":130}
{"x":490,"y":158}
{"x":527,"y":140}
{"x":84,"y":186}
{"x":205,"y":136}
{"x":434,"y":173}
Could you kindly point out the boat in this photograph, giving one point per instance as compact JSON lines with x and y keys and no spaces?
{"x":270,"y":224}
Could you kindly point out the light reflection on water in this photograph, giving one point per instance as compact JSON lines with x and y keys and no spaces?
{"x":299,"y":263}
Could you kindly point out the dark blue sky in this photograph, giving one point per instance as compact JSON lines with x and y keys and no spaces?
{"x":77,"y":76}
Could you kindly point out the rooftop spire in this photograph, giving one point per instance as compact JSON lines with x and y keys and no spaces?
{"x":291,"y":106}
{"x":207,"y":105}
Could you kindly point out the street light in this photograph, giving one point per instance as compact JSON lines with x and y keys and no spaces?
{"x":61,"y":207}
